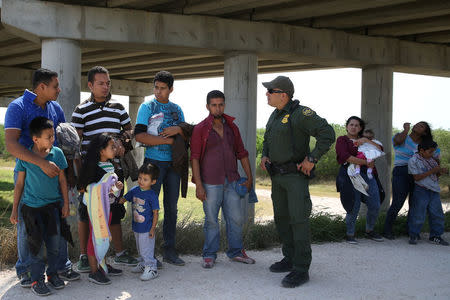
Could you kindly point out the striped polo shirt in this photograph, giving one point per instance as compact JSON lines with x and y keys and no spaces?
{"x":95,"y":118}
{"x":406,"y":150}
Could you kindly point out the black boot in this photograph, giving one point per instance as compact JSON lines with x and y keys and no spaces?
{"x":294,"y":279}
{"x":281,"y":266}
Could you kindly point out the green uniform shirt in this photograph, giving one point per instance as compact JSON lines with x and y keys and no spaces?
{"x":305,"y":123}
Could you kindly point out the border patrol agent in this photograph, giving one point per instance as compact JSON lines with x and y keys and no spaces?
{"x":290,"y":163}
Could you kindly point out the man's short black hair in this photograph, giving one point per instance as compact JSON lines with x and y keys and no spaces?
{"x":39,"y":124}
{"x":150,"y":169}
{"x":427,"y":144}
{"x":95,"y":70}
{"x":164,"y":76}
{"x":214,"y":94}
{"x":43,"y":76}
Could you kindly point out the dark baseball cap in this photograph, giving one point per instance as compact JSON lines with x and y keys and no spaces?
{"x":281,"y":82}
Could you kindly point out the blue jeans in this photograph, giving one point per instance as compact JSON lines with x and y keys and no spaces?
{"x":402,"y":186}
{"x":24,"y":260}
{"x":225,"y":196}
{"x":423,"y":201}
{"x":170,"y":181}
{"x":52,"y":243}
{"x":373,"y":207}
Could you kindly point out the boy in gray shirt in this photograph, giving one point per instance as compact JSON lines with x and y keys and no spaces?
{"x":426,"y":171}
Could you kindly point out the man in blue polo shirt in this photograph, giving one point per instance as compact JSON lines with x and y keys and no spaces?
{"x":39,"y":103}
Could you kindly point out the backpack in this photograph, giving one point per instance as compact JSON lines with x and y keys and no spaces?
{"x":68,"y":140}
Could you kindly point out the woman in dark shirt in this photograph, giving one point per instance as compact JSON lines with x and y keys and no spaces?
{"x":346,"y":151}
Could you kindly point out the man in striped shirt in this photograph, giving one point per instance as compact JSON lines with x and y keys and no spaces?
{"x":93,"y":116}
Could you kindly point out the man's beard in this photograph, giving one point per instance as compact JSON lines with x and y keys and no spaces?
{"x":218,"y":117}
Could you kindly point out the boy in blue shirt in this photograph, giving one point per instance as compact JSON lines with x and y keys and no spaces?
{"x":41,"y":196}
{"x":157,"y":124}
{"x":145,"y":217}
{"x":426,"y":171}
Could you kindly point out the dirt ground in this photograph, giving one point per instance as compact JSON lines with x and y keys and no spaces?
{"x":369,"y":270}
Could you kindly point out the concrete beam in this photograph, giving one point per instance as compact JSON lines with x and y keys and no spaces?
{"x":309,"y":9}
{"x":134,"y":3}
{"x":383,"y":15}
{"x":134,"y":62}
{"x":218,"y":7}
{"x":24,"y":58}
{"x":4,"y":101}
{"x":169,"y":66}
{"x":412,"y":27}
{"x":142,"y":30}
{"x":22,"y":78}
{"x":435,"y":37}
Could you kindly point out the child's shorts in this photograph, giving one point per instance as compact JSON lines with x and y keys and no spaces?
{"x":117,"y":212}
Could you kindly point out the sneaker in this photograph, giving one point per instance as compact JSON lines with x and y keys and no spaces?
{"x":138,"y":268}
{"x":149,"y":274}
{"x":125,"y":259}
{"x":113,"y":271}
{"x":351,"y":239}
{"x":25,"y":280}
{"x":208,"y":262}
{"x":40,"y":288}
{"x":294,"y":279}
{"x":412,"y":240}
{"x":99,"y":278}
{"x":281,"y":266}
{"x":389,"y":236}
{"x":83,"y":264}
{"x":438,"y":241}
{"x":171,"y":257}
{"x":158,"y":264}
{"x":69,"y":275}
{"x":243,"y":258}
{"x":374,"y":236}
{"x":56,"y":282}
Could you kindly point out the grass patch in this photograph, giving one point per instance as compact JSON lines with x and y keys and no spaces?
{"x":258,"y":236}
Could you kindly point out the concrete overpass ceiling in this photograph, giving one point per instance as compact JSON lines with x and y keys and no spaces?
{"x":422,"y":21}
{"x":389,"y":18}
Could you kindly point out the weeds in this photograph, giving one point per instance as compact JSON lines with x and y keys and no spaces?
{"x":258,"y":236}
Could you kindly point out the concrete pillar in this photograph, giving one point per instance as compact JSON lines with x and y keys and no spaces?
{"x":64,"y":56}
{"x":134,"y":103}
{"x":376,"y":110}
{"x":240,"y":80}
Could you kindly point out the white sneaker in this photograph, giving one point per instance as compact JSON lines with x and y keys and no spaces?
{"x":138,"y":269}
{"x":149,"y":274}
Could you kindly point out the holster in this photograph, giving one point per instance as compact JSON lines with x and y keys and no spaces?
{"x":286,"y":168}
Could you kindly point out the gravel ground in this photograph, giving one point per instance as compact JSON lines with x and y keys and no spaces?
{"x":369,"y":270}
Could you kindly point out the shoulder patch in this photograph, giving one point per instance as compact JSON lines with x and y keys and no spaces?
{"x":307,"y":112}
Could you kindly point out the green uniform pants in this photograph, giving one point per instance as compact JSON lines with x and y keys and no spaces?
{"x":292,"y":207}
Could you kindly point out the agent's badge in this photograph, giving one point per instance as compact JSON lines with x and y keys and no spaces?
{"x":307,"y":112}
{"x":285,"y":119}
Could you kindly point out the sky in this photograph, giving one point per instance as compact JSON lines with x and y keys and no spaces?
{"x":334,"y":94}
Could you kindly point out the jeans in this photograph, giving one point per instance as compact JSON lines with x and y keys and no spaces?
{"x":426,"y":201}
{"x":225,"y":196}
{"x":402,"y":186}
{"x":52,"y":243}
{"x":170,"y":180}
{"x":373,"y":207}
{"x":24,"y":260}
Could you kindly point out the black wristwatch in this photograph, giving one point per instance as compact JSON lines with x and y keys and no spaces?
{"x":312,"y":159}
